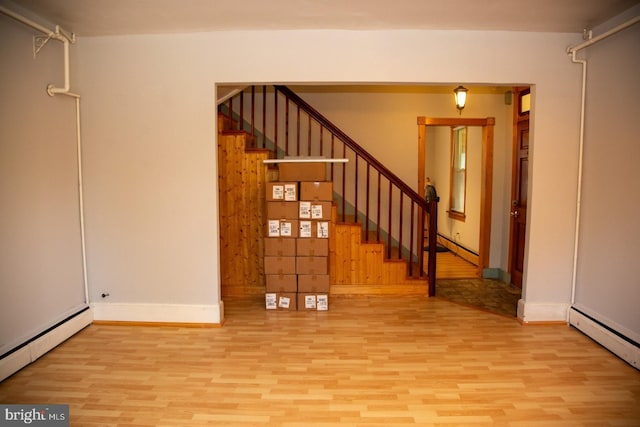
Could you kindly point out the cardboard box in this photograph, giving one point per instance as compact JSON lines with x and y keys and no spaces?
{"x":282,"y":228}
{"x":316,"y":191}
{"x":313,"y":283}
{"x":313,"y":229}
{"x":281,"y":282}
{"x":282,"y":210}
{"x":282,"y":191}
{"x":281,"y":301}
{"x":313,"y":302}
{"x":279,"y":246}
{"x":302,"y":171}
{"x":314,"y":210}
{"x":312,"y":265}
{"x":279,"y":265}
{"x":312,"y":247}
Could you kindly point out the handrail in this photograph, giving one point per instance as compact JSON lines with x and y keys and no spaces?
{"x":354,"y":146}
{"x":399,"y":200}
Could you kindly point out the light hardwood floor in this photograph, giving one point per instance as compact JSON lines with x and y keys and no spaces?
{"x":369,"y":361}
{"x":451,"y":266}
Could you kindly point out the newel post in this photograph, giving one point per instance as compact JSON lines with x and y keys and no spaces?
{"x":432,"y":239}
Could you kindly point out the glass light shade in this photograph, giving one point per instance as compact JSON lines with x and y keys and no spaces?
{"x":460,"y":94}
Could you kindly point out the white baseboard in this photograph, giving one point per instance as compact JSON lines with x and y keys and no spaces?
{"x":529,"y":312}
{"x":618,"y":346}
{"x":33,"y":350}
{"x":161,"y":313}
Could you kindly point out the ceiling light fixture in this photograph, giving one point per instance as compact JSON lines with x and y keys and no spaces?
{"x":460,"y":94}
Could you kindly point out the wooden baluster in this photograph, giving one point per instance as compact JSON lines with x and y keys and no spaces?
{"x":264,"y":116}
{"x":253,"y":109}
{"x":400,"y":226}
{"x":286,"y":126}
{"x":298,"y":131}
{"x":344,"y":171}
{"x":241,"y":119}
{"x":390,"y":219}
{"x":309,"y":137}
{"x":411,"y":228}
{"x":366,"y":219}
{"x":275,"y":123}
{"x":355,"y":207}
{"x":378,"y":206}
{"x":431,"y":267}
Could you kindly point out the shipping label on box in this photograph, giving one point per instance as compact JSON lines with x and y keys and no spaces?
{"x":280,"y":246}
{"x":312,"y":247}
{"x":282,"y":228}
{"x":316,"y":190}
{"x":310,"y":302}
{"x":307,"y":302}
{"x":273,"y":228}
{"x":291,"y":192}
{"x":284,"y":302}
{"x":316,"y":211}
{"x":311,"y":229}
{"x":286,"y":229}
{"x":306,"y":230}
{"x":322,"y":302}
{"x":304,"y":210}
{"x":277,"y":192}
{"x":287,"y":301}
{"x":271,"y":301}
{"x":282,"y":191}
{"x":322,"y":231}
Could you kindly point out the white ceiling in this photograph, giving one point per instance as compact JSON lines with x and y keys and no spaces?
{"x":112,"y":17}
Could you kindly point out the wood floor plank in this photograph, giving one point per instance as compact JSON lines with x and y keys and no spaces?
{"x":378,"y":361}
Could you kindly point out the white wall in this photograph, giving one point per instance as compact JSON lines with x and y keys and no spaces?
{"x":379,"y":118}
{"x":465,"y":233}
{"x":150,"y":140}
{"x":609,"y":239}
{"x":41,"y":276}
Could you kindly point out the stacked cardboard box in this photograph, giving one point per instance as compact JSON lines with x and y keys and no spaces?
{"x":297,"y":243}
{"x":280,"y":245}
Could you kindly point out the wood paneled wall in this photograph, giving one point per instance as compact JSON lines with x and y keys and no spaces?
{"x":356,"y":267}
{"x":241,"y":191}
{"x":360,"y":268}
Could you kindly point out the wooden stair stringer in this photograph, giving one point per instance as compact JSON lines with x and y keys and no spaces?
{"x":242,"y":177}
{"x":360,"y":268}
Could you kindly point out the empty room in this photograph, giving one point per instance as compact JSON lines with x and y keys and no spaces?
{"x":285,"y":213}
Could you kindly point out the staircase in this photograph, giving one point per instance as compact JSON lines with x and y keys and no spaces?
{"x":365,"y":257}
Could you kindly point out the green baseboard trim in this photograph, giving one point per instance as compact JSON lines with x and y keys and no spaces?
{"x":497,"y":274}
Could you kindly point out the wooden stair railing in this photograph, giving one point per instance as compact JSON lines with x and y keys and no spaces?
{"x":366,"y":192}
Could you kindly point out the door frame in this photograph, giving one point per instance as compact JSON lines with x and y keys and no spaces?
{"x":517,"y":92}
{"x":486,"y":186}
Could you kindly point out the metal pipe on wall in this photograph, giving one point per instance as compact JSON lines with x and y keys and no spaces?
{"x":572,"y":51}
{"x":65,"y":38}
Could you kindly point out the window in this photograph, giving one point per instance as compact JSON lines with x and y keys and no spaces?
{"x":458,"y":175}
{"x":525,"y":102}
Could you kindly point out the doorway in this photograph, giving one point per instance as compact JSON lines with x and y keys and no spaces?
{"x":486,"y":173}
{"x":519,"y":183}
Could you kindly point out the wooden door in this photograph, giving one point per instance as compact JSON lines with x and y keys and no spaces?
{"x":519,"y":184}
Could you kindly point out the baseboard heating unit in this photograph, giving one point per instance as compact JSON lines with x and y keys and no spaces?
{"x":622,"y":346}
{"x":28,"y":352}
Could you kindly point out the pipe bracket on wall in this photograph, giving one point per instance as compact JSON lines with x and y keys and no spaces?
{"x":38,"y":43}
